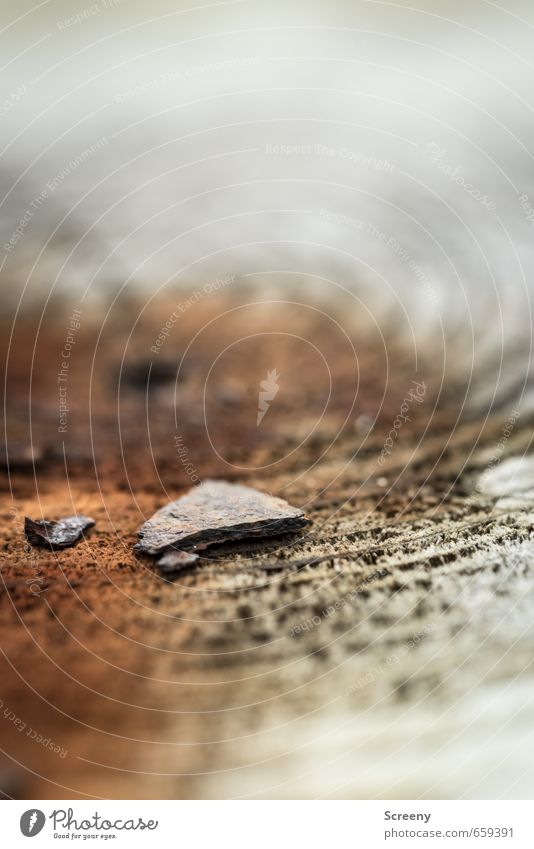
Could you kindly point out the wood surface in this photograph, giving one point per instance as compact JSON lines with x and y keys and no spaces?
{"x":385,"y":651}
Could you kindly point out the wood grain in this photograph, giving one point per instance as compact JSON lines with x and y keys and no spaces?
{"x":384,"y":652}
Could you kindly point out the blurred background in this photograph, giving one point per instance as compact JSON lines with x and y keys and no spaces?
{"x":188,"y":141}
{"x":370,"y":165}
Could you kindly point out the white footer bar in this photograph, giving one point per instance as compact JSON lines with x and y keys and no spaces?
{"x":269,"y":824}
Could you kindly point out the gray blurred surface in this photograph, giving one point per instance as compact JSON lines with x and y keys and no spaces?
{"x":179,"y":119}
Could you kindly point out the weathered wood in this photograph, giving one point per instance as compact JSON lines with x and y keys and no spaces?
{"x":366,"y":657}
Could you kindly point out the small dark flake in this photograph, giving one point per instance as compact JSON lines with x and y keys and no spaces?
{"x":216,"y":512}
{"x":55,"y":535}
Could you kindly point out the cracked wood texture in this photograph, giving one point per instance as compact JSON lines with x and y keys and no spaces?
{"x":383,"y":651}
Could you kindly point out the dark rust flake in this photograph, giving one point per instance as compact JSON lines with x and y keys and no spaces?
{"x":216,"y":512}
{"x":57,"y":535}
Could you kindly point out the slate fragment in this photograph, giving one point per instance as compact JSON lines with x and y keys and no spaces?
{"x":215,"y":512}
{"x":175,"y":561}
{"x":56,"y":535}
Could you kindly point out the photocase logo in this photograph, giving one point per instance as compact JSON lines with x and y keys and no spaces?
{"x":32,"y":822}
{"x":268,"y":392}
